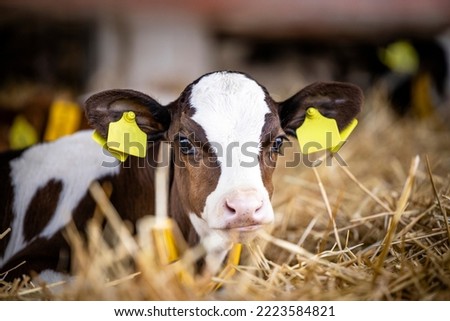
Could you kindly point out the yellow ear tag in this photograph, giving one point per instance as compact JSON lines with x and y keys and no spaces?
{"x":64,"y":119}
{"x":22,"y":134}
{"x":126,"y":137}
{"x":102,"y":142}
{"x":401,"y":57}
{"x":344,"y":135}
{"x":317,"y":132}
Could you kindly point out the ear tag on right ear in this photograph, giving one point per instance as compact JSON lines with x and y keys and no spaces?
{"x":317,"y":133}
{"x":102,"y":142}
{"x":126,"y":137}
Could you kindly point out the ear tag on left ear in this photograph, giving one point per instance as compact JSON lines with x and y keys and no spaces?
{"x":317,"y":132}
{"x":126,"y":137}
{"x":344,"y":135}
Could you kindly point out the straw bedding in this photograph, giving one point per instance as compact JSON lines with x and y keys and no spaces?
{"x":376,"y":228}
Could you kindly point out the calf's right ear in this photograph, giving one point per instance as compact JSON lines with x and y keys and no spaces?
{"x":108,"y":106}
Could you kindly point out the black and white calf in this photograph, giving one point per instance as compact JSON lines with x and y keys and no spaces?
{"x":220,"y":122}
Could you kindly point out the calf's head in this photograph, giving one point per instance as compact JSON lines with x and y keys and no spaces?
{"x":226,"y":132}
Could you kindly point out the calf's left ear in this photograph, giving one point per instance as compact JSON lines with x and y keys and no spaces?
{"x":341,"y":101}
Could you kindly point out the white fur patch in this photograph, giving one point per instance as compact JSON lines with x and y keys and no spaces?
{"x":231,"y":109}
{"x":74,"y":160}
{"x":50,"y":277}
{"x":55,"y":282}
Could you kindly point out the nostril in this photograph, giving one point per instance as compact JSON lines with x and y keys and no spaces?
{"x":230,"y":207}
{"x":259,"y":206}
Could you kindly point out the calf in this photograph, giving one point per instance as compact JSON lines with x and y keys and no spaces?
{"x":225,"y":131}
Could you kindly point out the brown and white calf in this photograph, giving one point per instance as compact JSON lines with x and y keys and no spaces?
{"x":225,"y":131}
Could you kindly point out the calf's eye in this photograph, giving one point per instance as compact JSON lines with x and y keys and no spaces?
{"x":186,"y":146}
{"x":277,"y":145}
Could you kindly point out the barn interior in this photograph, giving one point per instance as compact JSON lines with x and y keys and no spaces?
{"x":370,"y":223}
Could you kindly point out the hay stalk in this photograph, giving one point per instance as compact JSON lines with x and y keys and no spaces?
{"x":365,"y":189}
{"x":113,"y":217}
{"x":401,"y":206}
{"x":328,"y":207}
{"x":2,"y":235}
{"x":438,"y":199}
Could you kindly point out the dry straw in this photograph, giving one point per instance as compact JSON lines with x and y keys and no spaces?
{"x":374,"y":229}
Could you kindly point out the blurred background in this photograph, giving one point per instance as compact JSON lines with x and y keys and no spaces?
{"x":55,"y":53}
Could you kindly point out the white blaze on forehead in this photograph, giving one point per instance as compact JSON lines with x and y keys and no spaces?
{"x":231,"y":109}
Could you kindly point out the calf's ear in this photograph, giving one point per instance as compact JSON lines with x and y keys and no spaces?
{"x":341,"y":101}
{"x":108,"y":106}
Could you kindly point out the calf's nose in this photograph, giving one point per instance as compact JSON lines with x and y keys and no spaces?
{"x":244,"y":208}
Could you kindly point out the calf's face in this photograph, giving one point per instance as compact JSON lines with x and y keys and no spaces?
{"x":226,"y":132}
